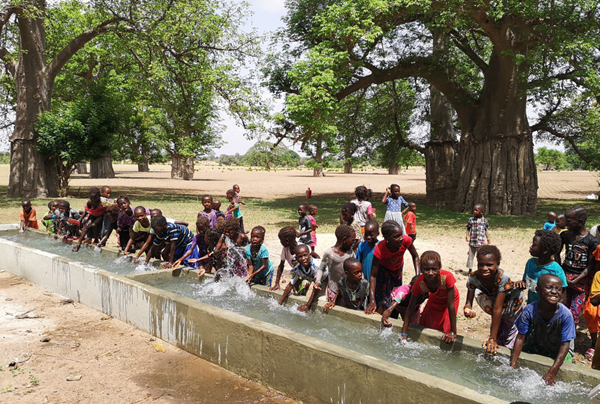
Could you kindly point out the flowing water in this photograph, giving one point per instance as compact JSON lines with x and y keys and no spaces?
{"x":490,"y":376}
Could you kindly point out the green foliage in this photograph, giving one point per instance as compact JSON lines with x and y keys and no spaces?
{"x":550,"y":159}
{"x":262,"y":154}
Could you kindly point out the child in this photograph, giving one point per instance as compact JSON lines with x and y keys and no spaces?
{"x":237,"y":196}
{"x":312,"y":210}
{"x":477,"y":234}
{"x":551,"y":222}
{"x":560,"y":224}
{"x":208,"y":211}
{"x":594,"y":300}
{"x":217,"y":208}
{"x":364,"y":253}
{"x":140,"y":231}
{"x":49,"y":221}
{"x":442,"y":305}
{"x":260,"y":267}
{"x":579,"y":246}
{"x":544,"y":245}
{"x":546,"y":327}
{"x":497,"y":296}
{"x":105,"y":193}
{"x":233,"y":210}
{"x":199,"y":246}
{"x":68,"y":220}
{"x":112,"y":215}
{"x":28,"y":217}
{"x":303,"y":275}
{"x":353,"y":289}
{"x":388,"y":263}
{"x":305,"y":228}
{"x":234,"y":240}
{"x":217,"y":259}
{"x":364,"y":209}
{"x":394,"y":203}
{"x":125,"y":222}
{"x":347,"y":216}
{"x":92,"y":218}
{"x":287,"y":238}
{"x":398,"y":303}
{"x":411,"y":221}
{"x":176,"y":237}
{"x":332,"y":264}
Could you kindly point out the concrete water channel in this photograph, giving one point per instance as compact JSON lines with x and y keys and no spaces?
{"x":342,"y":357}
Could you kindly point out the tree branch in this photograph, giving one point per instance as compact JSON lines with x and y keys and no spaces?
{"x":461,"y":43}
{"x":545,"y":128}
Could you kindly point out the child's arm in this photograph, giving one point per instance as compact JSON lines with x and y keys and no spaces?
{"x":385,"y":196}
{"x":171,"y":256}
{"x":410,"y":311}
{"x":186,"y":224}
{"x":286,"y":292}
{"x":468,"y":310}
{"x":251,"y":272}
{"x":278,"y":277}
{"x":517,"y":348}
{"x":487,"y":236}
{"x":314,"y":292}
{"x":550,"y":376}
{"x":144,"y":248}
{"x":588,"y":269}
{"x":388,"y":312}
{"x":104,"y":239}
{"x":372,"y":306}
{"x":187,"y":254}
{"x":129,"y":244}
{"x":330,"y":305}
{"x":264,"y":265}
{"x":491,"y":345}
{"x":415,"y":257}
{"x":557,"y":255}
{"x":451,"y":336}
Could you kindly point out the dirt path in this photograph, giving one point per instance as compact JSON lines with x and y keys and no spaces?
{"x":114,"y":362}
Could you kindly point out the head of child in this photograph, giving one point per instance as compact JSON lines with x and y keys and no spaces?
{"x":348,"y":211}
{"x":155,"y":212}
{"x":488,"y":261}
{"x":123,"y":202}
{"x":140,"y":215}
{"x":303,"y":255}
{"x":361,"y":192}
{"x":212,"y":236}
{"x":550,"y":289}
{"x":64,"y":206}
{"x":159,"y":224}
{"x":392,"y":233}
{"x":53,"y":205}
{"x":395,"y":191}
{"x":26,"y":205}
{"x":236,"y":188}
{"x":545,"y":244}
{"x":369,"y":194}
{"x":353,"y":270}
{"x":371,"y":232}
{"x":230,"y":194}
{"x":94,"y":194}
{"x":560,"y":221}
{"x":345,"y":236}
{"x":478,"y":210}
{"x":312,"y":210}
{"x":231,"y":227}
{"x":216,"y":205}
{"x":302,"y":209}
{"x":207,"y":202}
{"x":551,"y":217}
{"x":412,"y":207}
{"x":113,"y":213}
{"x":202,"y":224}
{"x":431,"y":265}
{"x":257,"y":236}
{"x":575,"y":218}
{"x":105,"y":192}
{"x":287,"y":237}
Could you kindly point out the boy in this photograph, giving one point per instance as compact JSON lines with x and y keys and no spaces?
{"x":477,"y":234}
{"x":551,"y":223}
{"x":546,"y":327}
{"x":176,"y":237}
{"x":411,"y":221}
{"x":560,"y":224}
{"x":303,"y":275}
{"x":304,"y":225}
{"x":28,"y":217}
{"x":234,"y":208}
{"x":217,"y":208}
{"x":594,"y":300}
{"x":364,"y":253}
{"x":353,"y":289}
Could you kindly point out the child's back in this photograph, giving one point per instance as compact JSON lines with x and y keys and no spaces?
{"x":365,"y":255}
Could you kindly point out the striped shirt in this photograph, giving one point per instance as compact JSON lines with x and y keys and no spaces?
{"x":175,"y":233}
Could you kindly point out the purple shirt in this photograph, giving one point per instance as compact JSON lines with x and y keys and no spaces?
{"x":212,"y":217}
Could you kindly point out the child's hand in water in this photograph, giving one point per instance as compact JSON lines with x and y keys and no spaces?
{"x":449,"y":337}
{"x":490,"y":346}
{"x":549,"y":378}
{"x":403,"y":339}
{"x":470,"y":313}
{"x":304,"y":307}
{"x":167,"y":265}
{"x":328,"y":306}
{"x":384,"y":318}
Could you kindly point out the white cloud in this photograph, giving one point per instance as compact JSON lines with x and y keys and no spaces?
{"x":270,"y":6}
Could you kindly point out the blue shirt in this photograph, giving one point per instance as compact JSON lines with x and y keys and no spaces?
{"x":533,"y":272}
{"x":549,"y":225}
{"x":364,"y":254}
{"x":257,"y":262}
{"x":395,"y":205}
{"x":175,"y":233}
{"x":545,"y":338}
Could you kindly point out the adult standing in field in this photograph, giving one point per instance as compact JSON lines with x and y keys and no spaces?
{"x":364,"y":209}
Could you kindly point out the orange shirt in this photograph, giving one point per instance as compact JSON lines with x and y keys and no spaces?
{"x":411,"y":218}
{"x":31,"y":218}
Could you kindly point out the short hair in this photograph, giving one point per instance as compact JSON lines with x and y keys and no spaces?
{"x":113,"y":210}
{"x":259,"y":229}
{"x":216,"y":202}
{"x":579,"y":212}
{"x":371,"y":223}
{"x":350,"y":261}
{"x":431,"y":256}
{"x":343,"y":231}
{"x":158,"y":221}
{"x":360,"y":192}
{"x":124,"y":198}
{"x":349,"y":207}
{"x":312,"y":208}
{"x":105,"y":187}
{"x":203,"y":220}
{"x":230,"y":191}
{"x":207,"y":196}
{"x":25,"y":201}
{"x":230,"y":223}
{"x":94,"y":190}
{"x":549,"y":240}
{"x":488,"y":249}
{"x":389,"y":227}
{"x":480,"y":206}
{"x":139,"y":208}
{"x":412,"y":204}
{"x":287,"y":232}
{"x":394,"y":186}
{"x":539,"y":281}
{"x":304,"y":206}
{"x":302,"y":246}
{"x":51,"y":203}
{"x":212,"y":235}
{"x":64,"y":203}
{"x":158,"y":211}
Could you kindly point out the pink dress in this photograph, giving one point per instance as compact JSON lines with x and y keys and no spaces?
{"x":313,"y":234}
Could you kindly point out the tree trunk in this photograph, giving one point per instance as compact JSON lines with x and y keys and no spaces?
{"x":182,"y":167}
{"x":102,"y":168}
{"x":81,"y":168}
{"x":143,"y":167}
{"x":497,"y":167}
{"x":394,"y":169}
{"x":144,"y":164}
{"x":348,"y":167}
{"x":318,"y":170}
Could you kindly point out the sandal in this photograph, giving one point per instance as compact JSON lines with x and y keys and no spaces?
{"x":589,"y":354}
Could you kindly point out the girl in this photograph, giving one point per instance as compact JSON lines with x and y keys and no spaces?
{"x":233,"y":240}
{"x":347,"y":217}
{"x":497,"y":296}
{"x":394,"y":203}
{"x":92,"y":217}
{"x":140,"y":231}
{"x":312,"y":210}
{"x":217,"y":259}
{"x":441,"y":307}
{"x":388,"y":263}
{"x":332,"y":263}
{"x":125,"y":222}
{"x":364,"y":209}
{"x":287,"y":238}
{"x":260,"y":267}
{"x":208,"y":211}
{"x":199,"y":245}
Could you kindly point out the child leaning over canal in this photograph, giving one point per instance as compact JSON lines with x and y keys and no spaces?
{"x":352,"y":289}
{"x":303,"y":275}
{"x":287,"y":238}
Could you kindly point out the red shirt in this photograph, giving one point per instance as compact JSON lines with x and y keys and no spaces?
{"x":410,"y":218}
{"x":392,"y":260}
{"x":447,"y":282}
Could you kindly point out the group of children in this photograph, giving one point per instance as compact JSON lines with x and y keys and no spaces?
{"x":360,"y":272}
